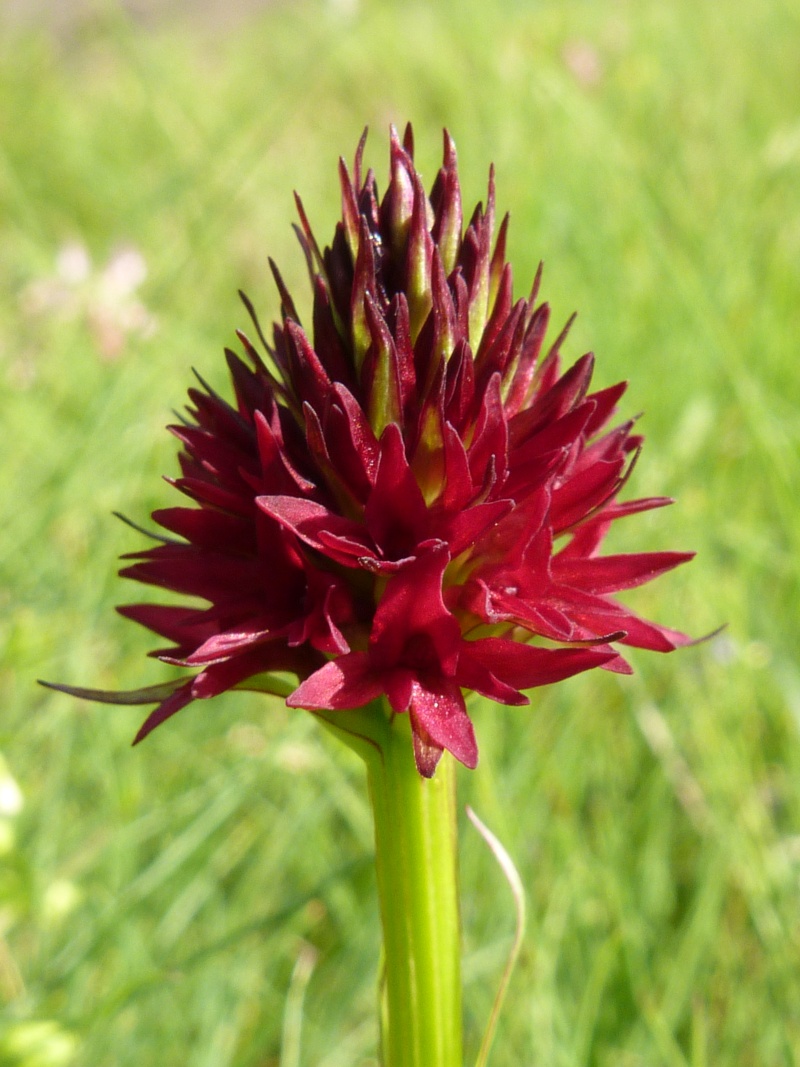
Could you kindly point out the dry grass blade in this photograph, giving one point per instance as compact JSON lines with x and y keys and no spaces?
{"x":511,"y":873}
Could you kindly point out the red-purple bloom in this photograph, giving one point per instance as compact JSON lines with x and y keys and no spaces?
{"x":406,"y":499}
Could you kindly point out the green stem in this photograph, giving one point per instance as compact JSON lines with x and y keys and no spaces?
{"x":416,"y":861}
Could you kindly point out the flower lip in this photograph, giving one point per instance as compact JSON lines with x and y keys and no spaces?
{"x":406,"y":498}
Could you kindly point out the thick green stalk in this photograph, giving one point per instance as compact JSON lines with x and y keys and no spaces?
{"x":417,"y":870}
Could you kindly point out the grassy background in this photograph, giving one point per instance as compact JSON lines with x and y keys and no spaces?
{"x":208,"y":899}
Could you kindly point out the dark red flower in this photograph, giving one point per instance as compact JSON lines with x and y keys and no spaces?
{"x":409,"y":499}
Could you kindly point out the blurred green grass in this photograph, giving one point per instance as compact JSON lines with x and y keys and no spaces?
{"x":154,"y":904}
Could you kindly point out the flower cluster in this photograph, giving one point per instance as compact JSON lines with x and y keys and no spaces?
{"x":407,"y":499}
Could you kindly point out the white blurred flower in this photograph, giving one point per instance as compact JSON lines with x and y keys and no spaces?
{"x":105,"y":298}
{"x":73,"y":264}
{"x":123,"y":274}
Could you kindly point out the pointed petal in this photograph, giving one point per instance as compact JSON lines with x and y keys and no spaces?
{"x":531,"y":347}
{"x":395,"y":515}
{"x":419,"y":257}
{"x":605,"y":401}
{"x":310,"y":380}
{"x":491,"y":434}
{"x":447,"y":210}
{"x":579,"y":495}
{"x":343,"y":683}
{"x":601,"y":615}
{"x":527,"y":666}
{"x":426,"y":754}
{"x":399,"y":686}
{"x":458,"y":489}
{"x":222,"y":646}
{"x":412,"y":606}
{"x":439,"y":717}
{"x":380,"y":374}
{"x":476,"y":676}
{"x":319,"y":527}
{"x":350,"y":439}
{"x":470,"y":525}
{"x":220,"y":677}
{"x":184,"y":626}
{"x":169,"y":707}
{"x":607,"y":574}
